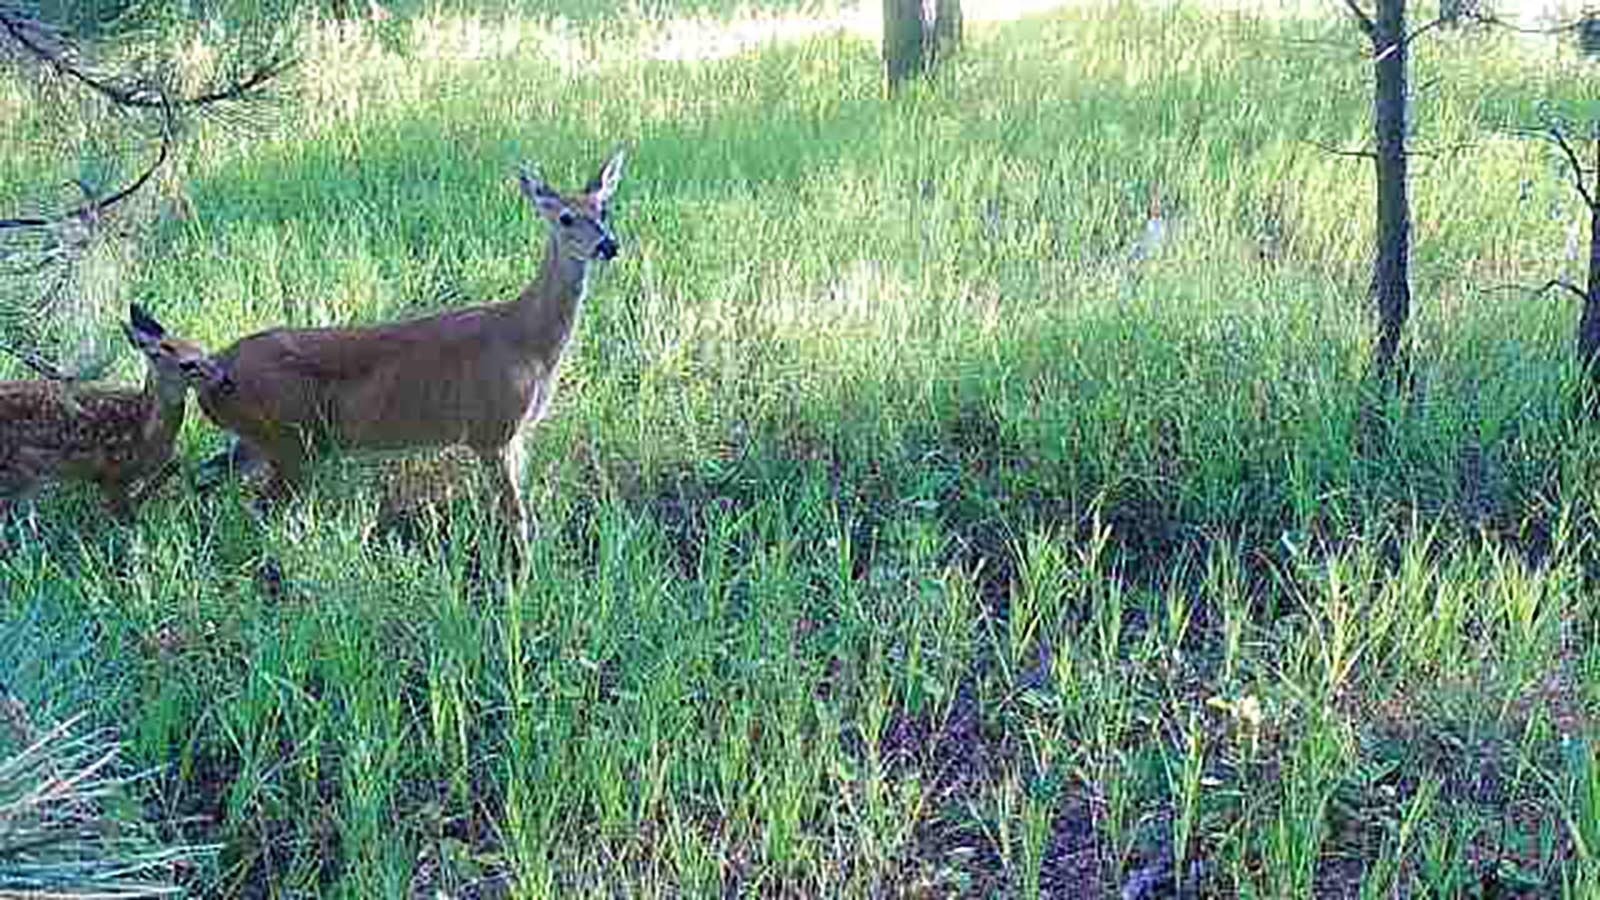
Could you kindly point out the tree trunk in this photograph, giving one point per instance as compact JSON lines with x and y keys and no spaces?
{"x":946,"y":28}
{"x":1391,"y":281}
{"x":903,"y":51}
{"x":1589,"y":325}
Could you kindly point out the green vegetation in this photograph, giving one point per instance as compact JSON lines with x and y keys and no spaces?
{"x":898,"y":536}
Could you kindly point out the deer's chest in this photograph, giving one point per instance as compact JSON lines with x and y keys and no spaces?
{"x":534,"y":395}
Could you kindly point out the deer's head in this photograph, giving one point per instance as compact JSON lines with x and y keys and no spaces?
{"x":174,"y":364}
{"x":579,"y":221}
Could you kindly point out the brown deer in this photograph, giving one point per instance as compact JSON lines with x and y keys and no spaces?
{"x":471,"y":376}
{"x":120,"y":439}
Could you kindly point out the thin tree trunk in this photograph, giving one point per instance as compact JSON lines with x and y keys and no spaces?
{"x":1390,"y":277}
{"x":1589,"y":325}
{"x":946,"y":28}
{"x":903,"y":50}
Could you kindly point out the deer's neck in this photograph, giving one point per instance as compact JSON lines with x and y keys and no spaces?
{"x":163,"y":413}
{"x":550,"y":304}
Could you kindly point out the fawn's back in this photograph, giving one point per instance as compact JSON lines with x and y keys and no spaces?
{"x":116,"y":437}
{"x":57,"y":429}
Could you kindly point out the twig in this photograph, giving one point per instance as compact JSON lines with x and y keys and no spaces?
{"x":1338,"y":151}
{"x":1559,"y":137}
{"x":1497,"y":22}
{"x":1428,"y":85}
{"x":1326,"y":43}
{"x":1543,"y":289}
{"x":1442,"y":151}
{"x":1422,"y":30}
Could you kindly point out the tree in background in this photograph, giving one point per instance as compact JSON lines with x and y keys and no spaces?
{"x":1586,"y":181}
{"x":916,"y":33}
{"x":104,"y":93}
{"x":1385,"y":30}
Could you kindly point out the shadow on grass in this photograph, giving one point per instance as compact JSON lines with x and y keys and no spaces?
{"x":959,"y":465}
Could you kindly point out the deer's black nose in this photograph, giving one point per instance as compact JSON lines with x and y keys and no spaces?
{"x":606,"y":249}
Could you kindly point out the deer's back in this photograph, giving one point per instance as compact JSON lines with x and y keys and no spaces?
{"x":458,"y":377}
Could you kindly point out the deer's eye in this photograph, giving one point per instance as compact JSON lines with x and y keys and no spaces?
{"x":566,"y":219}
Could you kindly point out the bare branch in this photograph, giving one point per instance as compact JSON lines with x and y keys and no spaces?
{"x":1362,"y":19}
{"x":1406,"y":41}
{"x":1422,"y":30}
{"x":1338,"y":151}
{"x":1442,"y":151}
{"x":1495,"y":21}
{"x":1547,"y":287}
{"x":56,"y":60}
{"x":1554,"y":133}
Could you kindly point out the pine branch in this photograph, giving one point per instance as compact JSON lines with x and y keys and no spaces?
{"x":92,"y":210}
{"x":57,"y":59}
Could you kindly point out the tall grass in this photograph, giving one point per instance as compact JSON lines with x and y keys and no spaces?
{"x":897,"y":533}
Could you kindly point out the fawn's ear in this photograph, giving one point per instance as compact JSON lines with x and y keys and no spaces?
{"x":546,"y":201}
{"x":142,"y":330}
{"x":605,"y":184}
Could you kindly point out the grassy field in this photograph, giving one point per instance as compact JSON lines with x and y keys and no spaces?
{"x":898,"y":536}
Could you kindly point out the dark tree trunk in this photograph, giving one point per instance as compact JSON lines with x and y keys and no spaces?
{"x":916,"y":34}
{"x":1589,"y":325}
{"x":903,"y":51}
{"x":1391,"y":280}
{"x":946,"y":28}
{"x":1589,"y":35}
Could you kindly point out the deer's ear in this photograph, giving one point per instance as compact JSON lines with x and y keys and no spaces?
{"x":546,"y":201}
{"x":143,"y":331}
{"x":605,"y":184}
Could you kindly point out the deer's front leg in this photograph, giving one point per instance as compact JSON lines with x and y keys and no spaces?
{"x":154,"y":482}
{"x":501,"y":465}
{"x":118,"y":501}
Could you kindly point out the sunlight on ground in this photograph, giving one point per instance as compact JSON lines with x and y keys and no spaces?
{"x":712,"y":38}
{"x":696,"y":38}
{"x":688,"y":39}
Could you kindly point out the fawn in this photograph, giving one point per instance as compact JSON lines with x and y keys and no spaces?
{"x":120,"y":439}
{"x":471,"y":376}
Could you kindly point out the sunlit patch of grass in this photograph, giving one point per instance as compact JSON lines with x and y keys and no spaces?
{"x":897,"y":527}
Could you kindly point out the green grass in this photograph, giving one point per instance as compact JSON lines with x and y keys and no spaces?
{"x":897,"y":536}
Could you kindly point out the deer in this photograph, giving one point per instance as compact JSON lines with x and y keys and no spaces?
{"x":118,"y":438}
{"x":476,"y":376}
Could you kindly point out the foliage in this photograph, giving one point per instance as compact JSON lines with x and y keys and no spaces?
{"x":111,"y":87}
{"x":68,"y":827}
{"x":897,"y":532}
